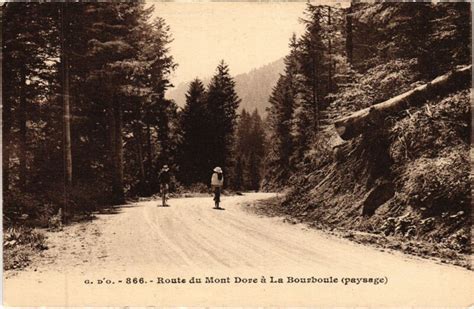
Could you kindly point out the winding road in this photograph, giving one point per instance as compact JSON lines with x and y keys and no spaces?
{"x":141,"y":254}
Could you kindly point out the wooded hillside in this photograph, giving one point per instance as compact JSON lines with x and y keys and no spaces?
{"x":393,"y":79}
{"x":87,"y":122}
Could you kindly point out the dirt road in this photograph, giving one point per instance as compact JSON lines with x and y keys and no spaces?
{"x":189,"y":239}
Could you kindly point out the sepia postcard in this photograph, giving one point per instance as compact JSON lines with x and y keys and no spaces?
{"x":257,"y":154}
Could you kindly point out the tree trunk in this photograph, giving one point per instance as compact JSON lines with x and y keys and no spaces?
{"x":149,"y":152}
{"x":349,"y":44}
{"x":119,"y":151}
{"x":111,"y":131}
{"x":139,"y":141}
{"x":314,"y":96}
{"x":114,"y":120}
{"x":6,"y":134}
{"x":330,"y":73}
{"x":66,"y":103}
{"x":372,"y":117}
{"x":22,"y":119}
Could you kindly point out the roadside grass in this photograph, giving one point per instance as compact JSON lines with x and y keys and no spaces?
{"x":20,"y":244}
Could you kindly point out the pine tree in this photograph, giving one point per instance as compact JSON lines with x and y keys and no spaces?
{"x":194,"y":151}
{"x":112,"y":49}
{"x":244,"y":128}
{"x":249,"y":150}
{"x":26,"y":76}
{"x":131,"y":64}
{"x":222,"y":102}
{"x":436,"y":36}
{"x":406,"y":33}
{"x":312,"y":70}
{"x":450,"y":43}
{"x":65,"y":69}
{"x":117,"y":64}
{"x":239,"y":173}
{"x":281,"y":115}
{"x":257,"y":150}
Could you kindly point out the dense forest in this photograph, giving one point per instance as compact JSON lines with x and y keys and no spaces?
{"x":83,"y":93}
{"x":351,"y":58}
{"x":85,"y":118}
{"x":407,"y":174}
{"x":87,"y":123}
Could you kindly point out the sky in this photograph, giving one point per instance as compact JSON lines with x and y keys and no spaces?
{"x":246,"y":35}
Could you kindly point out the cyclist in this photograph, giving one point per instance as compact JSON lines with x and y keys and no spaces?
{"x":164,"y":180}
{"x":217,"y":181}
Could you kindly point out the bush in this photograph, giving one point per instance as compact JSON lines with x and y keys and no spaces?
{"x":439,"y":184}
{"x":432,"y":128}
{"x":430,"y":150}
{"x":16,"y":203}
{"x":178,"y":190}
{"x":198,"y":188}
{"x":23,"y":236}
{"x":38,"y":207}
{"x":20,"y":243}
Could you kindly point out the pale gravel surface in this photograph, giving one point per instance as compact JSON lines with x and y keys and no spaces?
{"x":189,"y":238}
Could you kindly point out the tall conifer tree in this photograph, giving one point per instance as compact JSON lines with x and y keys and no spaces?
{"x":222,"y":102}
{"x":194,"y":151}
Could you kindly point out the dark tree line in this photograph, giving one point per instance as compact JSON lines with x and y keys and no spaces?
{"x":85,"y":120}
{"x":341,"y":59}
{"x":208,"y":124}
{"x":249,"y":149}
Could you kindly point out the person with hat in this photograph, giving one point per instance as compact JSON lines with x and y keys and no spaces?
{"x":164,"y":179}
{"x":217,"y":181}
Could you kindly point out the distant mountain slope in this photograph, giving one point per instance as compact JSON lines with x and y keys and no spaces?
{"x":253,"y":87}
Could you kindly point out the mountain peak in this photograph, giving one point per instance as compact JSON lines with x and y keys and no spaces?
{"x":253,"y":87}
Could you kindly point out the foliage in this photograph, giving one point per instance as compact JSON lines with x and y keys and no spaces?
{"x":429,"y":149}
{"x":349,"y":59}
{"x":118,"y":67}
{"x":208,"y":122}
{"x":374,"y":86}
{"x":194,"y":151}
{"x":283,"y":103}
{"x":407,"y":31}
{"x":19,"y":244}
{"x":438,"y":184}
{"x":250,"y":149}
{"x":429,"y":130}
{"x":415,"y":161}
{"x":222,"y":104}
